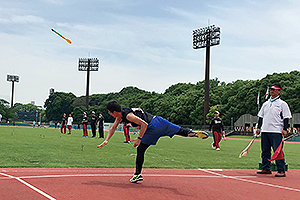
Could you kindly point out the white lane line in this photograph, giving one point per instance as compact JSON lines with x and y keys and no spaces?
{"x":250,"y":181}
{"x":118,"y":175}
{"x":128,"y":175}
{"x":216,"y":170}
{"x":97,"y":170}
{"x":30,"y":186}
{"x":39,"y":170}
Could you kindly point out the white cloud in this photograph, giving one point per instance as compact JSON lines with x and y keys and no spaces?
{"x":55,"y":2}
{"x":26,"y":19}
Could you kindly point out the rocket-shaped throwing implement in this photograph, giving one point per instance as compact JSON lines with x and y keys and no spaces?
{"x":69,"y":41}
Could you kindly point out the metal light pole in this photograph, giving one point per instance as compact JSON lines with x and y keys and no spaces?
{"x":88,"y":64}
{"x":205,"y":38}
{"x":13,"y":79}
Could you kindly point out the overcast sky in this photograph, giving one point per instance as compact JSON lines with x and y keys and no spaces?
{"x":142,"y":43}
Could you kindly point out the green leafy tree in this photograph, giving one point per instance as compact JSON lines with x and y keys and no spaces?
{"x":43,"y":116}
{"x":182,"y":103}
{"x":78,"y":114}
{"x":80,"y":101}
{"x":57,"y":104}
{"x":7,"y":112}
{"x":18,"y":107}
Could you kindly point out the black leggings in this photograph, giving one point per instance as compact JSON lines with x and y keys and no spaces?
{"x":141,"y":149}
{"x":184,"y":132}
{"x":140,"y":157}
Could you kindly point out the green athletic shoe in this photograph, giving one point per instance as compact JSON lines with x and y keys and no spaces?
{"x":136,"y":178}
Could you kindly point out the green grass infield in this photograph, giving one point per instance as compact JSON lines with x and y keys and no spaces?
{"x":39,"y":147}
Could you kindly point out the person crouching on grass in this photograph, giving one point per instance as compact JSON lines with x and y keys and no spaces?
{"x":151,"y":129}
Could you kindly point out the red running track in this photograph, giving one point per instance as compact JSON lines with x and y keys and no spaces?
{"x":98,"y":183}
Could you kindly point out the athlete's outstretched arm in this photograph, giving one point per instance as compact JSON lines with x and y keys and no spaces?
{"x":111,"y":132}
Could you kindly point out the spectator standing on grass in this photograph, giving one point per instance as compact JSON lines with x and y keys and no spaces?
{"x":217,"y":127}
{"x":69,"y":123}
{"x":101,"y":125}
{"x":63,"y":124}
{"x":93,"y":124}
{"x":84,"y":125}
{"x":33,"y":124}
{"x":273,"y":120}
{"x":126,"y":128}
{"x":0,"y":118}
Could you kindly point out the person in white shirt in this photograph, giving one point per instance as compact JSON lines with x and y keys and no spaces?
{"x":273,"y":120}
{"x":0,"y":117}
{"x":69,"y":123}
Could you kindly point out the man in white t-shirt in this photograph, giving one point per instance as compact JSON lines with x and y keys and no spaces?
{"x":69,"y":123}
{"x":273,"y":120}
{"x":0,"y":117}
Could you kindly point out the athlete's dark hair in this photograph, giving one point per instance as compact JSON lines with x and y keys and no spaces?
{"x":113,"y":106}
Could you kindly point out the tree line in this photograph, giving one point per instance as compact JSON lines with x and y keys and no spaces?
{"x":182,"y":103}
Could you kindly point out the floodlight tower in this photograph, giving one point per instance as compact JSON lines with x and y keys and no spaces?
{"x":13,"y":79}
{"x":205,"y":38}
{"x":88,"y":64}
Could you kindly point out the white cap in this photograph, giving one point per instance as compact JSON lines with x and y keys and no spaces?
{"x":217,"y":112}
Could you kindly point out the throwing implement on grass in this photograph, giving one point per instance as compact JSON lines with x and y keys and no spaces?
{"x":202,"y":134}
{"x":246,"y":150}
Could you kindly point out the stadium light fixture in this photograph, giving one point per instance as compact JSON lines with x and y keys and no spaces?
{"x":205,"y":38}
{"x":13,"y":79}
{"x":88,"y":64}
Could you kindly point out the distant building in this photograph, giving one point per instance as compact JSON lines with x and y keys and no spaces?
{"x":295,"y":121}
{"x":32,"y":102}
{"x":51,"y":91}
{"x":246,"y":120}
{"x":27,"y":116}
{"x":245,"y":124}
